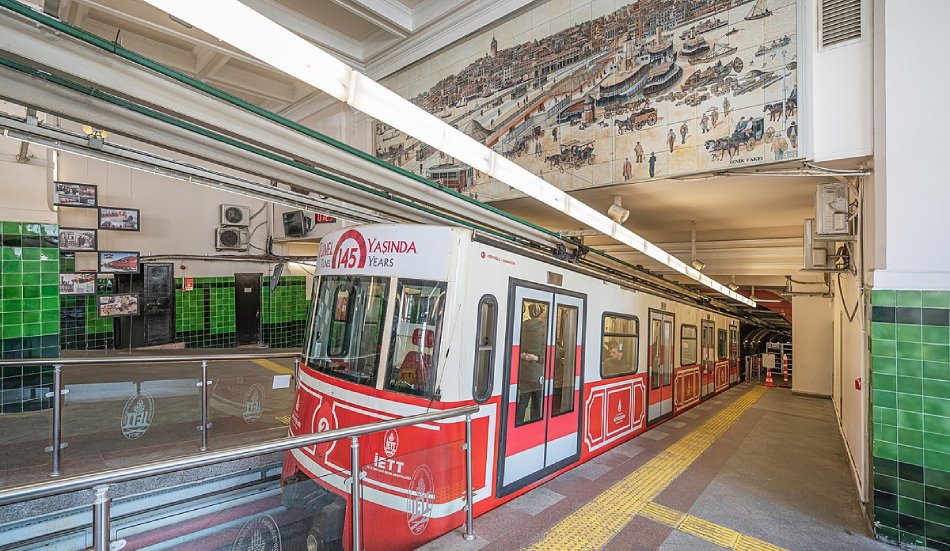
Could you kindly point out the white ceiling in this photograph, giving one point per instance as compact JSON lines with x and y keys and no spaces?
{"x":747,"y":227}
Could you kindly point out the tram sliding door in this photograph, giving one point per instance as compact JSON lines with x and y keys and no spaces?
{"x":708,"y":348}
{"x":733,"y":354}
{"x":542,"y":413}
{"x":661,"y":366}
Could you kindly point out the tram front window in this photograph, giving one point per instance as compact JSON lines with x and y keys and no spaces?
{"x":347,"y":327}
{"x":415,"y":339}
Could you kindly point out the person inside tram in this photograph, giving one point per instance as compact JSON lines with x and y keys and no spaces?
{"x":534,"y":331}
{"x":613,"y":358}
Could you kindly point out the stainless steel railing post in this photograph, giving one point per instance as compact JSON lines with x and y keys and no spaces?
{"x":57,"y":397}
{"x":296,"y":371}
{"x":355,"y":492}
{"x":204,"y":405}
{"x":100,"y":519}
{"x":469,"y":501}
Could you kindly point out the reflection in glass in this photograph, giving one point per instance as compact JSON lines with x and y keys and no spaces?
{"x":562,"y":400}
{"x":347,"y":328}
{"x":416,"y":333}
{"x":485,"y":347}
{"x":619,"y":346}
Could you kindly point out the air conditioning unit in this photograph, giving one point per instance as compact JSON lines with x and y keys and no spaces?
{"x":818,"y":255}
{"x":235,"y":215}
{"x":832,"y":212}
{"x":234,"y":239}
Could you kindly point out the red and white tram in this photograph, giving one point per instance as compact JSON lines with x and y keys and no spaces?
{"x":408,"y":319}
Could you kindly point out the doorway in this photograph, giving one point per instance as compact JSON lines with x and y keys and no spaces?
{"x":660,"y":375}
{"x":708,"y":358}
{"x":541,"y":417}
{"x":247,"y":309}
{"x":159,"y":298}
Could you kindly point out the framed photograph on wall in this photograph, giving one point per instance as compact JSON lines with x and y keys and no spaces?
{"x":113,"y":218}
{"x":77,"y":284}
{"x":118,"y":262}
{"x":112,"y":306}
{"x":71,"y":194}
{"x":77,"y":239}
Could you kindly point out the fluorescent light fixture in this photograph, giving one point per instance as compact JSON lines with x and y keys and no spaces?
{"x":250,"y":31}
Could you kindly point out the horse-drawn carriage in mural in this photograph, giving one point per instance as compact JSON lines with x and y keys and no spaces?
{"x":747,"y":134}
{"x":636,"y":121}
{"x":573,"y":155}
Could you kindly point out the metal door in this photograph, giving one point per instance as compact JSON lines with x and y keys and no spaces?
{"x":541,"y":431}
{"x":660,"y":375}
{"x":247,"y":308}
{"x":159,"y":303}
{"x":708,"y":358}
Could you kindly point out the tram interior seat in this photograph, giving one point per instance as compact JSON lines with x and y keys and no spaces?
{"x":417,"y":364}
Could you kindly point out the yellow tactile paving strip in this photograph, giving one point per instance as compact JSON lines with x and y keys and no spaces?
{"x":594,"y":524}
{"x":714,"y":533}
{"x":274,"y":366}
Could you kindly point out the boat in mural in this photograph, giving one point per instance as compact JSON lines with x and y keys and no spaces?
{"x":694,"y":46}
{"x":775,"y":45}
{"x":759,"y":11}
{"x":717,"y":51}
{"x":704,"y":77}
{"x":704,"y":27}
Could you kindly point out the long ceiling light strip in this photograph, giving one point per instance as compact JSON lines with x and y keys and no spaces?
{"x":248,"y":30}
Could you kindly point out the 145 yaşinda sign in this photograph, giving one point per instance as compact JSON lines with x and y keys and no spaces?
{"x":387,"y":251}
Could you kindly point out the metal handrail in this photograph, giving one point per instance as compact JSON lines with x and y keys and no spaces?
{"x":143,"y":359}
{"x":38,"y":490}
{"x":100,"y":481}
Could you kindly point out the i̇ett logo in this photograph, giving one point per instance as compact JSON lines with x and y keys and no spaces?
{"x":350,"y":251}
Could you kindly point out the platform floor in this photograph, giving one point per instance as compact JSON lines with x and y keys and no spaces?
{"x":751,"y":469}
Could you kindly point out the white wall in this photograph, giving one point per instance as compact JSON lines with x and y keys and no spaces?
{"x":812,"y":345}
{"x":841,"y":99}
{"x":23,"y":186}
{"x":915,"y":175}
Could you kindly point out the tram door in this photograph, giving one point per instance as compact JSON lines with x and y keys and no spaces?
{"x":542,"y":412}
{"x":708,"y":363}
{"x":661,"y":366}
{"x":733,"y":354}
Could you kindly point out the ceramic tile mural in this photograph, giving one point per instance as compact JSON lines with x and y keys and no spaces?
{"x":595,"y":93}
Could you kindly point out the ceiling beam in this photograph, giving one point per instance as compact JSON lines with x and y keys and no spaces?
{"x":208,"y":62}
{"x":390,"y":15}
{"x":318,"y":33}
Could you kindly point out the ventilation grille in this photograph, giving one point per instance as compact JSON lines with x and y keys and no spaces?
{"x":840,"y":21}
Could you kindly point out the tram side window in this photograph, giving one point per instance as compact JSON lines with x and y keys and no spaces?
{"x":485,"y":348}
{"x":347,"y":327}
{"x":688,"y":345}
{"x":417,"y":326}
{"x":722,"y":349}
{"x":619,"y":351}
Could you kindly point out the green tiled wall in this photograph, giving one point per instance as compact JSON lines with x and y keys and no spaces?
{"x":29,"y":310}
{"x":80,"y":327}
{"x":910,"y":366}
{"x":205,"y":316}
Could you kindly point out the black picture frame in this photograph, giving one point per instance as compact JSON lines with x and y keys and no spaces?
{"x":68,"y":283}
{"x":117,"y":306}
{"x":105,"y":224}
{"x":64,"y":243}
{"x":109,"y":264}
{"x":64,"y":190}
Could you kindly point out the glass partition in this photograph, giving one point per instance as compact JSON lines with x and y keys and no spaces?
{"x":249,"y":401}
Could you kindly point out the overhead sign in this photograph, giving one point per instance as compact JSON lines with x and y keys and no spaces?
{"x":404,"y":251}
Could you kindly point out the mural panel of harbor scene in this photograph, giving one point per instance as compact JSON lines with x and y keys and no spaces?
{"x":611,"y":92}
